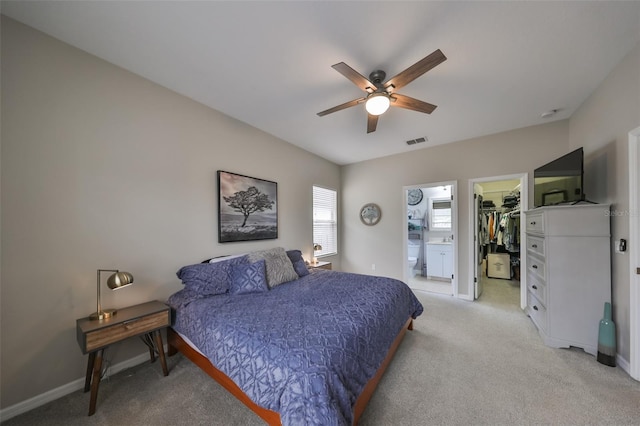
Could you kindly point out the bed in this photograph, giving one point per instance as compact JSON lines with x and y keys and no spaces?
{"x":296,"y":347}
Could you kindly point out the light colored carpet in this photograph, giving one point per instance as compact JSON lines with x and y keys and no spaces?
{"x":465,"y":363}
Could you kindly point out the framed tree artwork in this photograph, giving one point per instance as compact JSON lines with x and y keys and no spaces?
{"x":247,"y":208}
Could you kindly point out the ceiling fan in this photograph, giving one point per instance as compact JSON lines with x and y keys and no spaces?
{"x":381,"y":94}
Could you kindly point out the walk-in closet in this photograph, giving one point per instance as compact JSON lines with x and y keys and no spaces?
{"x":498,"y":231}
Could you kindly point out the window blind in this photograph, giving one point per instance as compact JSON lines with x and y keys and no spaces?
{"x":441,"y":211}
{"x":325,"y":220}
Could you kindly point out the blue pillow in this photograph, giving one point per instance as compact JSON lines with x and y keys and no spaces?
{"x":249,"y":278}
{"x":298,"y":262}
{"x":208,"y":279}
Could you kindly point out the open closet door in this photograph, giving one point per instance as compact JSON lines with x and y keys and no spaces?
{"x":477,"y":239}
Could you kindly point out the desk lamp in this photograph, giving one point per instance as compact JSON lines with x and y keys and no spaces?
{"x":316,"y":247}
{"x":117,"y":280}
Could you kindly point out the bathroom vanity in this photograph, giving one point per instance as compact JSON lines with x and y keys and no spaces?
{"x":439,"y":259}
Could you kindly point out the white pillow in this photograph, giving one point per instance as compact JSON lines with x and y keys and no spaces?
{"x":226,"y":257}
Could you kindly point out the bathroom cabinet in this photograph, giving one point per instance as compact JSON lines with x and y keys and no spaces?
{"x":439,"y":260}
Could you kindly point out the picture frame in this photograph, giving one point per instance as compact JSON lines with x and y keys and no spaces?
{"x":370,"y":214}
{"x":247,"y":208}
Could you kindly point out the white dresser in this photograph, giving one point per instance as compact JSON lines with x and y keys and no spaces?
{"x":568,"y":259}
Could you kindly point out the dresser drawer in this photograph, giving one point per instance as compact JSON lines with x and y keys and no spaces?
{"x":535,"y":245}
{"x":535,"y":223}
{"x":537,"y":312}
{"x":535,"y":266}
{"x":537,"y":286}
{"x":108,"y":335}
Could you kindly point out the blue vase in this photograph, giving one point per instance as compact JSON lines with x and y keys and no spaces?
{"x":607,"y":338}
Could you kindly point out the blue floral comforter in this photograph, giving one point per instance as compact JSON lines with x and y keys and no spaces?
{"x":306,"y":348}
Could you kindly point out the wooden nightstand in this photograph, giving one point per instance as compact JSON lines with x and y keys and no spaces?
{"x":320,"y":265}
{"x":94,"y":336}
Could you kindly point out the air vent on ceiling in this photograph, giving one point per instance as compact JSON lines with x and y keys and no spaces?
{"x":417,"y":140}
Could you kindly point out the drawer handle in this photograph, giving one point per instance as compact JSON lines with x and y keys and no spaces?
{"x":534,"y":245}
{"x":533,"y":223}
{"x":534,"y":287}
{"x":534,"y":266}
{"x":127,"y":324}
{"x":535,"y":308}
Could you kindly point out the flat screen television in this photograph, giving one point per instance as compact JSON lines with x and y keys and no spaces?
{"x":560,"y":181}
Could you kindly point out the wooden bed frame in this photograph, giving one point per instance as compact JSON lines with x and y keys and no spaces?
{"x":177,"y":344}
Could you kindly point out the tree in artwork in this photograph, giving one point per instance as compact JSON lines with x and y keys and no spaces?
{"x":248,"y":202}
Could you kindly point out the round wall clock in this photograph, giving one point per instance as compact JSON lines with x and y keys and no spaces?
{"x":414,"y":196}
{"x":370,"y":214}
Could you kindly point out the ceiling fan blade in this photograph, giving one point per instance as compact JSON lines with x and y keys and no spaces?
{"x":406,"y":102}
{"x":342,"y":106}
{"x":372,"y":123}
{"x":355,"y":77}
{"x":415,"y":70}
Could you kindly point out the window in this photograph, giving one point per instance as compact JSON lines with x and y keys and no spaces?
{"x":325,"y":220}
{"x":441,"y":214}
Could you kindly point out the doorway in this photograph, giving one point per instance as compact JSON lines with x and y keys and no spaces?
{"x":494,"y":257}
{"x":429,"y":234}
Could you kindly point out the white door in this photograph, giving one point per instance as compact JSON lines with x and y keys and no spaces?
{"x":477,"y":268}
{"x":634,"y":252}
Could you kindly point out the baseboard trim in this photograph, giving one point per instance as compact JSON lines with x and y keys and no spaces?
{"x":624,"y":364}
{"x":59,"y":392}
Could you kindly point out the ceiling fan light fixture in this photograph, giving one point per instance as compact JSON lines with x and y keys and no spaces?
{"x":380,"y":92}
{"x":377,"y":103}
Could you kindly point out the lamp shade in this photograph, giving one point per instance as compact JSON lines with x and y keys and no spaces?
{"x":377,"y":103}
{"x":317,"y":247}
{"x":119,"y":279}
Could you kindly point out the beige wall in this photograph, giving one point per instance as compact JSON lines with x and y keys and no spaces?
{"x":602,"y":126}
{"x":382,"y":180}
{"x":104,"y":169}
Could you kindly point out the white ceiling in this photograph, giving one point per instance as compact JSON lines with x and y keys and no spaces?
{"x":268,"y":63}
